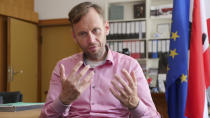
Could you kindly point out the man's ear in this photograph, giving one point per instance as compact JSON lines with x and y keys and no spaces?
{"x":107,"y":27}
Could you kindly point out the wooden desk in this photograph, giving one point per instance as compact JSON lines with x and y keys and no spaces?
{"x":34,"y":113}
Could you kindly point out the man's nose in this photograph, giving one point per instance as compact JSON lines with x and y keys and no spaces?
{"x":91,"y":37}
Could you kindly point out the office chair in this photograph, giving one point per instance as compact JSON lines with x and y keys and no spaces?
{"x":11,"y":97}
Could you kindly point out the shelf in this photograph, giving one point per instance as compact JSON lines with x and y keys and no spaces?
{"x":160,"y":2}
{"x":123,"y":10}
{"x":159,"y":38}
{"x":155,"y":26}
{"x":127,"y":20}
{"x":126,"y":40}
{"x":161,"y":17}
{"x":142,"y":59}
{"x":153,"y":59}
{"x":122,"y":1}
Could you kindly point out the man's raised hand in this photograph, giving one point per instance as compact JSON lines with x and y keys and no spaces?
{"x":73,"y":86}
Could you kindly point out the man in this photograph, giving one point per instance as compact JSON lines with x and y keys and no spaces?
{"x":98,"y":82}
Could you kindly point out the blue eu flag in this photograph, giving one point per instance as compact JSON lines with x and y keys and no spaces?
{"x":176,"y":82}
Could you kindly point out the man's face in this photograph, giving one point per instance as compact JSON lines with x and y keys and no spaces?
{"x":90,"y":34}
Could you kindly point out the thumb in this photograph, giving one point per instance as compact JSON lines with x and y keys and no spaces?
{"x":62,"y":73}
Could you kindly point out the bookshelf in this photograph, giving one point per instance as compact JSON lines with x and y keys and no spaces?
{"x":142,"y":26}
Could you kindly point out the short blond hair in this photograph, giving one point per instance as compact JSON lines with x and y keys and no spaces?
{"x":81,"y":10}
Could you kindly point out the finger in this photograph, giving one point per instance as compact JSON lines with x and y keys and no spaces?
{"x":62,"y":73}
{"x":116,"y":94}
{"x":75,"y":69}
{"x":120,"y":89}
{"x":86,"y":81}
{"x":83,"y":71}
{"x":124,"y":84}
{"x":129,"y":78}
{"x":134,"y":77}
{"x":77,"y":79}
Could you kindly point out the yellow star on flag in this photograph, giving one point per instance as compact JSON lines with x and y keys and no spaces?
{"x":168,"y":68}
{"x":174,"y":35}
{"x":183,"y":78}
{"x":173,"y":53}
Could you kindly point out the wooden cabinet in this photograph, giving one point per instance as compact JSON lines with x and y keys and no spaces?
{"x":22,"y":58}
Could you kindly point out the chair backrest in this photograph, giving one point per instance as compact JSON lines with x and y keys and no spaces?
{"x":11,"y":97}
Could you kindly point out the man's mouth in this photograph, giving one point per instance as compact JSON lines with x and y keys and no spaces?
{"x":92,"y":48}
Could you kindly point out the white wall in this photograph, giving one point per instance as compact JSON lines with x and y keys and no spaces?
{"x":53,"y":9}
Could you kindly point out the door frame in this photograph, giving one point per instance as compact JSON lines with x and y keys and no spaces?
{"x":3,"y":53}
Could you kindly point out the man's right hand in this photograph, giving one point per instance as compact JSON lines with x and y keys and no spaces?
{"x":73,"y":86}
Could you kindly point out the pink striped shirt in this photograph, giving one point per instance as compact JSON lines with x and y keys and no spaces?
{"x":97,"y":101}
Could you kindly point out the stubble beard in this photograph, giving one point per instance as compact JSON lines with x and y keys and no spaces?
{"x":97,"y":55}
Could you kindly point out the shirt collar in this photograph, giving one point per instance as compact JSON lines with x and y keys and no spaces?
{"x":109,"y":58}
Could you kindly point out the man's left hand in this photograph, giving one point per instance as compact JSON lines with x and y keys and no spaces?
{"x":126,"y":93}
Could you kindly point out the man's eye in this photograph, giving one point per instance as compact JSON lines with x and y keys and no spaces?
{"x":83,"y":34}
{"x":96,"y":31}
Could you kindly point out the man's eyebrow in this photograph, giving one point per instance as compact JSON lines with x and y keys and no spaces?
{"x":80,"y":32}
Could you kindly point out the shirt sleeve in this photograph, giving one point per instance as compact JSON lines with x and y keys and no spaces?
{"x":53,"y":107}
{"x":146,"y":107}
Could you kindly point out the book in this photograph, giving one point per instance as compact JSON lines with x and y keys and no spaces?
{"x":19,"y":106}
{"x":116,"y":12}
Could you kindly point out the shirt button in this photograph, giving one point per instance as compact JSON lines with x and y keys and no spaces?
{"x":92,"y":103}
{"x":93,"y":86}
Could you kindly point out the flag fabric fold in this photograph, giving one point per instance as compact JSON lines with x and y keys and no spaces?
{"x":199,"y":66}
{"x":176,"y":82}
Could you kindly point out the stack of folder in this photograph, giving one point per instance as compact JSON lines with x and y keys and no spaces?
{"x":127,"y":30}
{"x":136,"y":48}
{"x":158,"y":47}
